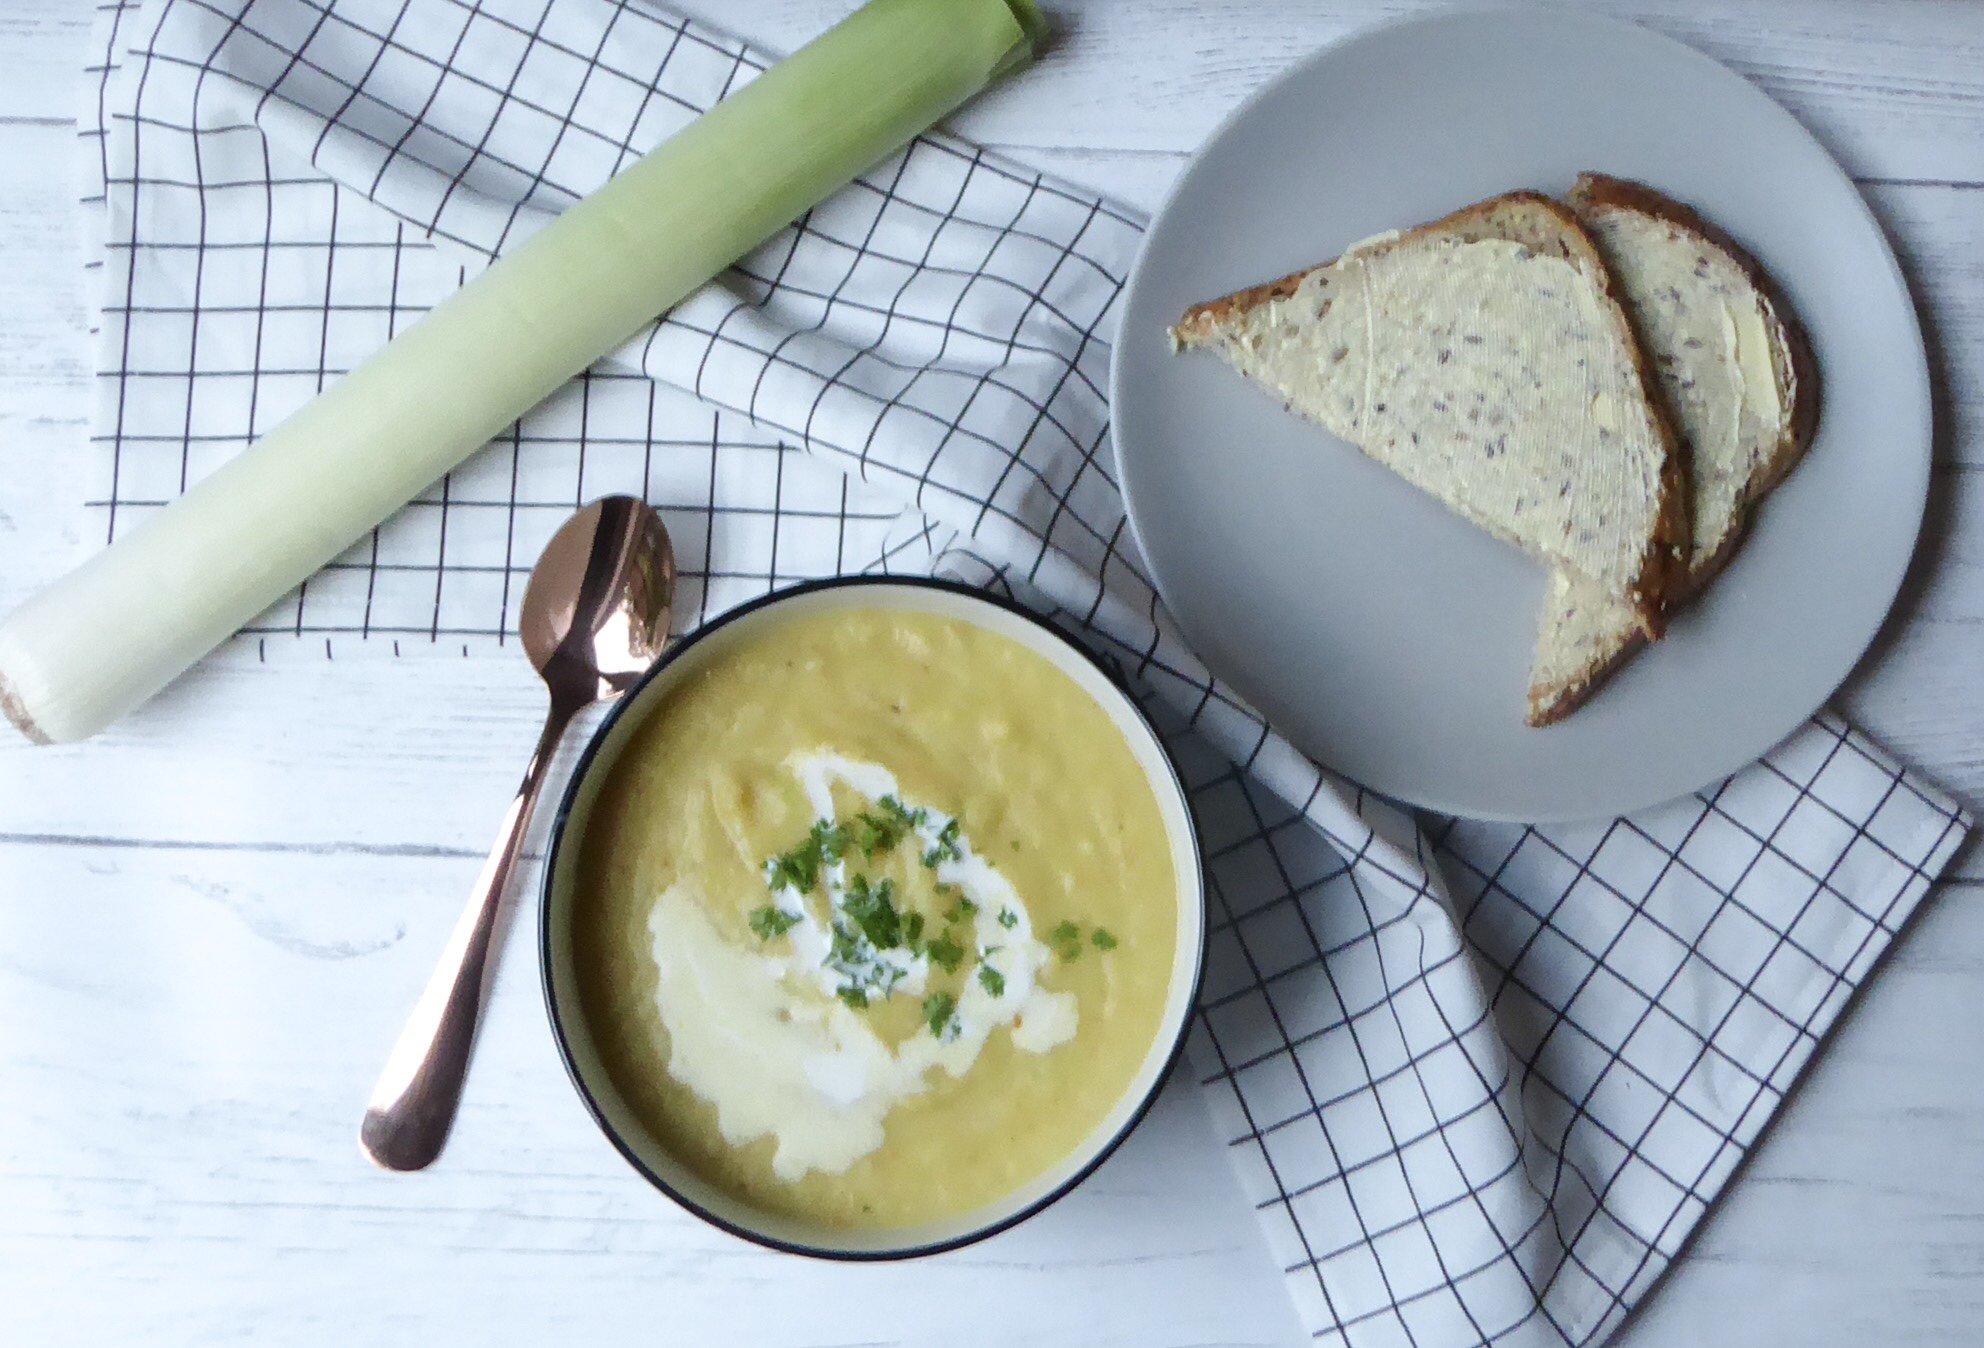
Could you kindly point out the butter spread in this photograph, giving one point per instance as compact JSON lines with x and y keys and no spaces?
{"x":1708,"y":332}
{"x":821,"y":1080}
{"x":1489,"y":375}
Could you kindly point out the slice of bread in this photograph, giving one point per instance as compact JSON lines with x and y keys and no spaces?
{"x":1485,"y":359}
{"x":1740,"y":385}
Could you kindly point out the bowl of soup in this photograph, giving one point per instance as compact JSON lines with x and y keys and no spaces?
{"x":873,"y":919}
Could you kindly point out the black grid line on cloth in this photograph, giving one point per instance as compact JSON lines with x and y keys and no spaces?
{"x":1438,"y":1127}
{"x":1331,"y":1143}
{"x":1897,"y":781}
{"x":1736,"y":1128}
{"x":1417,"y":1073}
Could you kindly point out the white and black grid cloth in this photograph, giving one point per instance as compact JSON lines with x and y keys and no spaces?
{"x":1481,"y":1080}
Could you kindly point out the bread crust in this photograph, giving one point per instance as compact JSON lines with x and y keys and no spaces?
{"x":1203,"y":320}
{"x":1517,"y":218}
{"x":1547,"y":706}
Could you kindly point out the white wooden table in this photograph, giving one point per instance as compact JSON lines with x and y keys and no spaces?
{"x":213,"y":918}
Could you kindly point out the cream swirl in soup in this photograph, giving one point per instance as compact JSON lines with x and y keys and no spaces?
{"x":823,"y":1080}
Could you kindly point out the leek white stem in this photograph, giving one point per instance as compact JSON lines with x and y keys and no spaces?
{"x":100,"y":641}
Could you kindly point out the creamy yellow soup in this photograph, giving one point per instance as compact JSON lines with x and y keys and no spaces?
{"x":875,"y":918}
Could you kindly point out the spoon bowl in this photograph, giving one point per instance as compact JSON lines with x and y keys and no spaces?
{"x":599,"y":598}
{"x":595,"y":618}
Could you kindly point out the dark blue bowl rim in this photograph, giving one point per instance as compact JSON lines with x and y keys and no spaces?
{"x":560,"y":821}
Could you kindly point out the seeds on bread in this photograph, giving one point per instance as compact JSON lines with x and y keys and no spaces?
{"x":1485,"y":358}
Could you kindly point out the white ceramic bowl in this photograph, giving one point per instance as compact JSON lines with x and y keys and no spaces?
{"x":568,"y":1023}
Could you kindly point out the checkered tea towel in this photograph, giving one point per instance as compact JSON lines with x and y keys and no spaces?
{"x":1481,"y":1080}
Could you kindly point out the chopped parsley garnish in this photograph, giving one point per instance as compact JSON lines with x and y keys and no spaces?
{"x":863,"y":920}
{"x":940,"y":1014}
{"x":769,"y":922}
{"x":1103,"y":940}
{"x":945,"y":848}
{"x":1067,"y":941}
{"x":880,"y":832}
{"x":799,"y":869}
{"x":873,"y":910}
{"x":945,"y":953}
{"x":789,"y":870}
{"x":845,"y":947}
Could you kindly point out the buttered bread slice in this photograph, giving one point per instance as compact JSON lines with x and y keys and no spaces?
{"x":1739,"y":381}
{"x":1484,"y":359}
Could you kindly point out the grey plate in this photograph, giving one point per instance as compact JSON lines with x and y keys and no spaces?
{"x":1381,"y":634}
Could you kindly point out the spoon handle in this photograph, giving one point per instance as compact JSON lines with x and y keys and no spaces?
{"x":414,"y":1102}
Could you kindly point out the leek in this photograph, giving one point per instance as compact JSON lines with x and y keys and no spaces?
{"x":97,"y":643}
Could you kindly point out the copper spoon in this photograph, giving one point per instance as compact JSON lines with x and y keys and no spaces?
{"x":595,"y":618}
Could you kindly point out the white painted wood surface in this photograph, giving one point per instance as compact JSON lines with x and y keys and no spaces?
{"x":212,"y":918}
